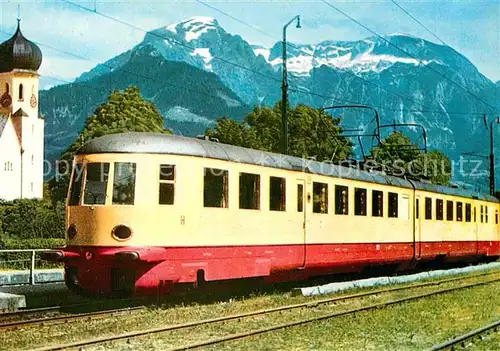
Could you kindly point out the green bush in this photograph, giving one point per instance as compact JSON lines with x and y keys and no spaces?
{"x":31,"y":219}
{"x":16,"y":244}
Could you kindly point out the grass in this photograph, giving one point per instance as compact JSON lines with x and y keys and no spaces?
{"x":414,"y":325}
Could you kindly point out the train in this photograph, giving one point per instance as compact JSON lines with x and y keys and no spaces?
{"x":146,"y":212}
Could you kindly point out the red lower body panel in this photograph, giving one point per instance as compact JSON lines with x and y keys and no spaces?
{"x":146,"y":270}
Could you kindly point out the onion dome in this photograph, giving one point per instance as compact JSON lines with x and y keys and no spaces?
{"x":19,"y":53}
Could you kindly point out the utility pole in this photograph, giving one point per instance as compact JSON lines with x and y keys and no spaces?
{"x":492,"y":157}
{"x":284,"y":90}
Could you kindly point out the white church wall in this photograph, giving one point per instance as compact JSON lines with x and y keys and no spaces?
{"x":10,"y":164}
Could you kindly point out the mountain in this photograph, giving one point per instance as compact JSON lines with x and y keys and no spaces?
{"x":190,"y":99}
{"x":421,"y":85}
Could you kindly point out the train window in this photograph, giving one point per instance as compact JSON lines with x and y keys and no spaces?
{"x":482,"y":214}
{"x":167,"y":185}
{"x":377,"y":203}
{"x":468,"y":212}
{"x":459,"y":212}
{"x":474,"y":209}
{"x":449,"y":210}
{"x":417,"y":208}
{"x":76,"y":185}
{"x":428,"y":208}
{"x":277,"y":194}
{"x":496,"y":217}
{"x":215,"y":188}
{"x":393,"y":205}
{"x":485,"y":214}
{"x":320,"y":197}
{"x":124,"y":183}
{"x":95,"y":184}
{"x":359,"y":202}
{"x":341,"y":200}
{"x":300,"y":198}
{"x":249,"y":191}
{"x":439,"y":209}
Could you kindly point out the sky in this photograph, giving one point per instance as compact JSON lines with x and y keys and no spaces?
{"x":74,"y":40}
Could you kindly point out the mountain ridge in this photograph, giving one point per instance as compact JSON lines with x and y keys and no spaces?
{"x":369,"y":71}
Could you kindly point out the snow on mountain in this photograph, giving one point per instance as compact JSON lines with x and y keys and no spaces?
{"x":194,"y":27}
{"x":204,"y":53}
{"x":373,"y":71}
{"x":261,"y":50}
{"x":357,"y":57}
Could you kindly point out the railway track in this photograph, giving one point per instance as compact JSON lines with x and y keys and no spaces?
{"x":62,"y":314}
{"x":37,"y":316}
{"x":450,"y":344}
{"x":183,"y":326}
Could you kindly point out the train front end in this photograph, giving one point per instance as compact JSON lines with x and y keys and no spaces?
{"x":106,"y":252}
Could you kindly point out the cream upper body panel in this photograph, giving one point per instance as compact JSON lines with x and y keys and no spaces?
{"x":188,"y":222}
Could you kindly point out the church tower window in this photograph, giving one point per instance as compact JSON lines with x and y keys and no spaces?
{"x":21,"y":97}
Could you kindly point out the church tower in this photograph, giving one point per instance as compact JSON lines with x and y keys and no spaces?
{"x":21,"y":127}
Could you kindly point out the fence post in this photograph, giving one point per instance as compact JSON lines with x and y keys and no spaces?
{"x":32,"y":269}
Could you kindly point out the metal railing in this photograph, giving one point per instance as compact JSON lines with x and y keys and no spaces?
{"x":32,"y":260}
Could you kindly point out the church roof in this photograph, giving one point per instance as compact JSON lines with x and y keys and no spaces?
{"x":3,"y":123}
{"x":19,"y":53}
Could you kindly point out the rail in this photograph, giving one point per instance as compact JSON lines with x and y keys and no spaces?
{"x":32,"y":260}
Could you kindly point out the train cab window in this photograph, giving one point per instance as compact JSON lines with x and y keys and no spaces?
{"x":359,"y":202}
{"x":124,"y":183}
{"x":277,"y":194}
{"x":249,"y":191}
{"x":300,"y":197}
{"x":76,"y":185}
{"x":393,"y":205}
{"x":485,"y":214}
{"x":449,"y":210}
{"x":428,"y":208}
{"x":468,"y":212}
{"x":320,"y":197}
{"x":459,"y":212}
{"x":167,"y":185}
{"x":377,"y":203}
{"x":439,"y":209}
{"x":417,"y":208}
{"x":215,"y":188}
{"x":96,"y":181}
{"x":341,"y":200}
{"x":482,"y":214}
{"x":496,"y":217}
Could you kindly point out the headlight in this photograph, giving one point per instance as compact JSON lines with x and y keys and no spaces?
{"x":121,"y":232}
{"x":71,"y":232}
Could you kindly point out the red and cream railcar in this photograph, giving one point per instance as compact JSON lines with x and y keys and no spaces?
{"x":146,"y":211}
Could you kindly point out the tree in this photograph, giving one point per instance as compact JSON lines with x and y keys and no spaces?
{"x":312,"y":133}
{"x":124,"y":111}
{"x":398,"y":153}
{"x":435,"y":166}
{"x":396,"y":146}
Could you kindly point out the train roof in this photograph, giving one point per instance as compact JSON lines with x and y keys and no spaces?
{"x":156,"y":143}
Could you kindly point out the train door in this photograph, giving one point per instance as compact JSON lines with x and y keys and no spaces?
{"x":476,"y":227}
{"x":302,"y":207}
{"x":418,"y":230}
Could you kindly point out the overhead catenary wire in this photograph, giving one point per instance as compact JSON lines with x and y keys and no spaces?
{"x":493,"y":108}
{"x":402,"y":96}
{"x":416,"y":20}
{"x":293,"y":88}
{"x":192,"y":48}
